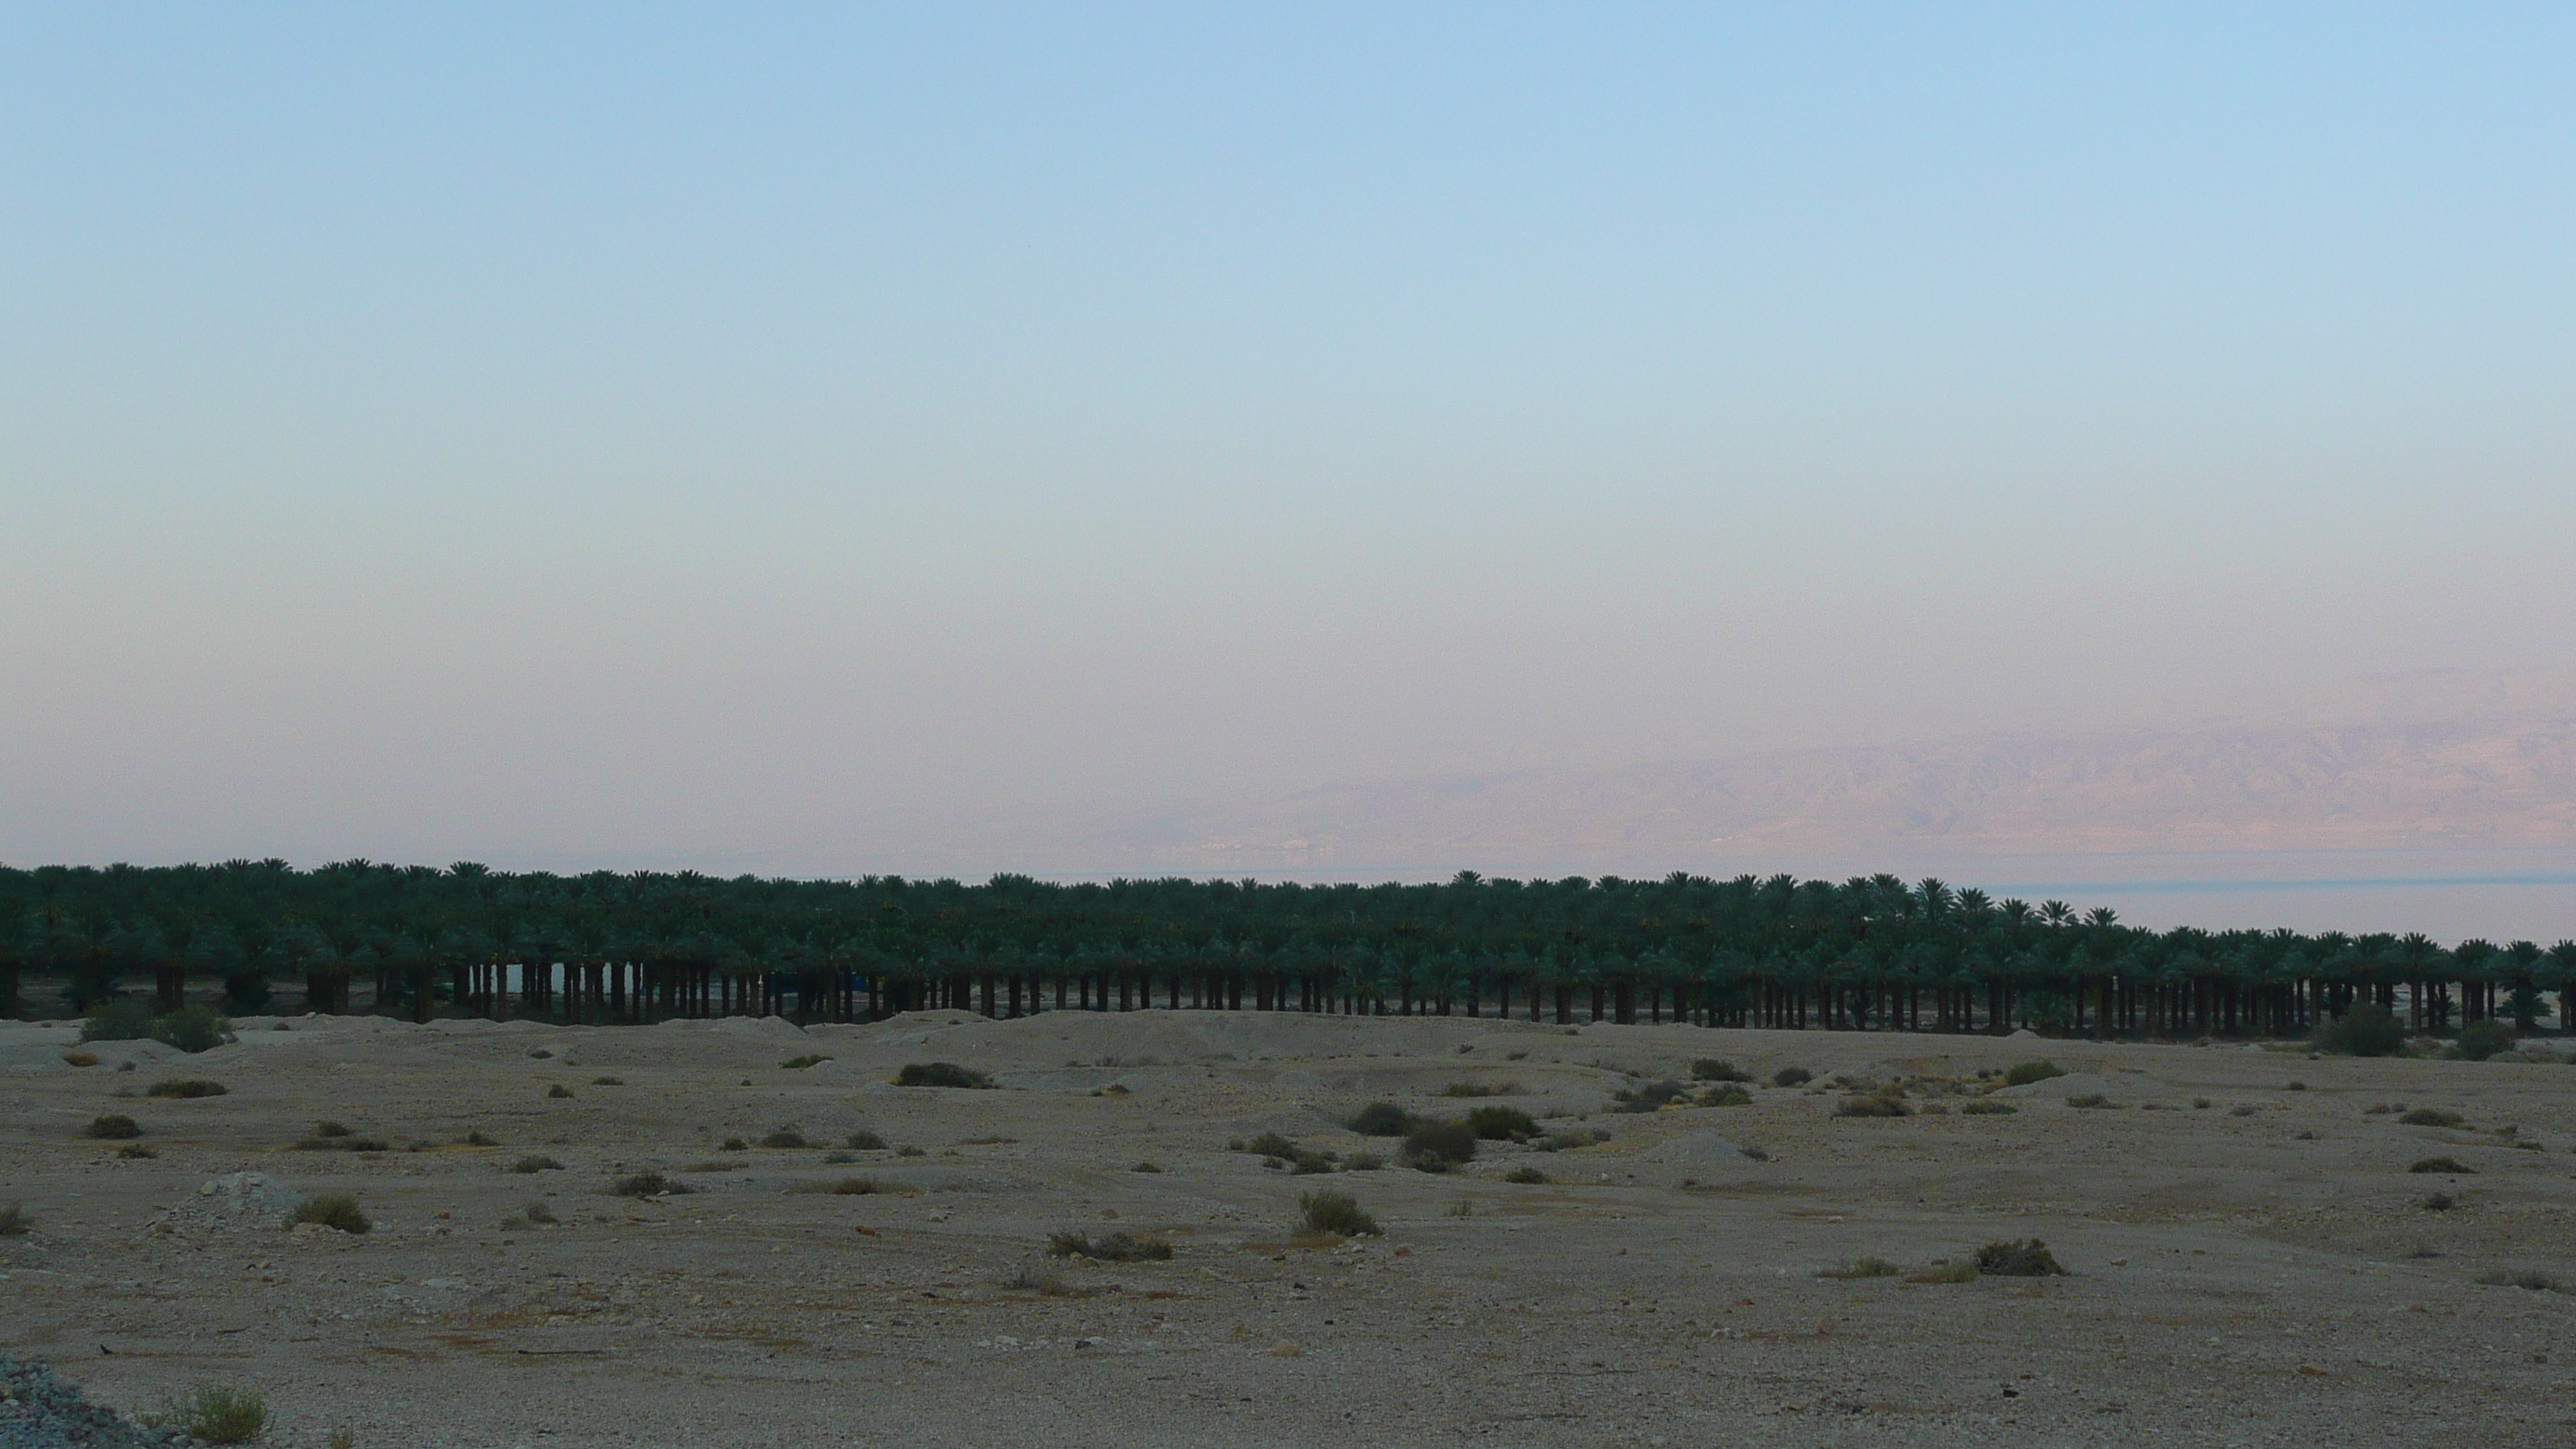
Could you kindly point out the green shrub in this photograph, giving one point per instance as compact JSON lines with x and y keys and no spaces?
{"x":733,"y":1144}
{"x":1944,"y":1272}
{"x":2450,"y":1165}
{"x":798,"y":1064}
{"x":2433,"y":1117}
{"x":1526,"y":1175}
{"x":1652,"y":1097}
{"x":1502,"y":1124}
{"x":333,"y":1210}
{"x":478,"y":1138}
{"x":192,"y":1029}
{"x":112,"y":1126}
{"x":2022,"y":1074}
{"x":118,"y":1018}
{"x":135,"y":1151}
{"x":1475,"y":1089}
{"x":218,"y":1414}
{"x":14,"y":1221}
{"x":1792,"y":1077}
{"x":1729,"y":1095}
{"x":187,"y":1089}
{"x":1336,"y":1212}
{"x":940,"y":1074}
{"x":1271,"y":1144}
{"x":1363,"y":1162}
{"x":2026,"y":1258}
{"x":608,"y":1081}
{"x":1115,"y":1248}
{"x":2093,"y":1100}
{"x":1718,"y":1069}
{"x":1439,"y":1146}
{"x":2440,"y":1202}
{"x":1381,"y":1119}
{"x":864,"y":1142}
{"x":329,"y":1129}
{"x":2480,"y":1040}
{"x":1144,"y":1167}
{"x":558,"y":1091}
{"x":908,"y":1150}
{"x":787,"y":1139}
{"x":534,"y":1163}
{"x":1984,"y":1107}
{"x":2368,"y":1029}
{"x":1872,"y":1104}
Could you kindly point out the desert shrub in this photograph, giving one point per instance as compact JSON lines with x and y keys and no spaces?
{"x":559,"y":1090}
{"x":118,"y":1018}
{"x":1874,"y":1104}
{"x":786,"y":1138}
{"x":1145,"y":1167}
{"x":852,"y":1187}
{"x":1718,"y":1069}
{"x":1479,"y":1089}
{"x":1502,"y":1124}
{"x":2383,"y":1109}
{"x":644,"y":1184}
{"x":479,"y":1138}
{"x":2440,"y":1202}
{"x":1865,"y":1267}
{"x":864,"y":1142}
{"x":1945,"y":1272}
{"x":798,"y":1064}
{"x":908,"y":1150}
{"x":1649,"y":1098}
{"x":2243,"y":1109}
{"x":135,"y":1151}
{"x":218,"y":1414}
{"x":332,"y":1210}
{"x":537,"y":1212}
{"x":1336,"y":1212}
{"x":1984,"y":1108}
{"x":2022,"y":1074}
{"x":2480,"y":1040}
{"x":192,"y":1029}
{"x":80,"y":1059}
{"x":2025,"y":1258}
{"x":1115,"y":1248}
{"x":112,"y":1126}
{"x":2451,"y":1165}
{"x":1526,"y":1175}
{"x":2432,"y":1117}
{"x":608,"y":1081}
{"x":733,"y":1144}
{"x":940,"y":1074}
{"x":14,"y":1221}
{"x":1363,"y":1162}
{"x":1271,"y":1144}
{"x":329,"y":1129}
{"x":2200,"y":1104}
{"x":534,"y":1163}
{"x":2294,"y":1086}
{"x":2531,"y":1278}
{"x":1381,"y":1119}
{"x":1439,"y":1146}
{"x":2367,"y":1030}
{"x":2093,"y":1100}
{"x":188,"y":1088}
{"x":1792,"y":1077}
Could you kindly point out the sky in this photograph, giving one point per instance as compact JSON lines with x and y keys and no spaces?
{"x":775,"y":437}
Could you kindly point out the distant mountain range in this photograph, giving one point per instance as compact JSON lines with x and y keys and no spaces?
{"x":2413,"y":762}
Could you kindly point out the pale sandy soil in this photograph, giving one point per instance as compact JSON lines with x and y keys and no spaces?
{"x":2235,"y":1279}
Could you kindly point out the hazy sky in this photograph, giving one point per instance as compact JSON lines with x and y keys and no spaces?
{"x":765,"y":436}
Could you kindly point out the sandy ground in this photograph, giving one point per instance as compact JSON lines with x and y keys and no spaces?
{"x":2259,"y":1270}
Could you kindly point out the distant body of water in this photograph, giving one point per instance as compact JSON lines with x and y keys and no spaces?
{"x":2448,"y":895}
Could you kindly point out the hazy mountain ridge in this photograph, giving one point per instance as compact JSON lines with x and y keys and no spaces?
{"x":2501,"y":774}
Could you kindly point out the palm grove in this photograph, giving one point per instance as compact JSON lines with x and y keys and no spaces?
{"x":1864,"y":954}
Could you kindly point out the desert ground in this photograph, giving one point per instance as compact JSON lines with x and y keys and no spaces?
{"x":2249,"y":1260}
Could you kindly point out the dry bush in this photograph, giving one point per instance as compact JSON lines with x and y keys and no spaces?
{"x":558,"y":1090}
{"x":1381,"y":1119}
{"x":841,"y":1187}
{"x":80,"y":1059}
{"x":798,"y":1064}
{"x":1865,"y":1267}
{"x":1729,"y":1095}
{"x":2024,"y":1258}
{"x":337,"y":1210}
{"x":1363,"y":1162}
{"x":187,"y":1089}
{"x":941,"y":1074}
{"x":1718,"y":1069}
{"x":1792,"y":1077}
{"x":1502,"y":1124}
{"x":218,"y":1414}
{"x":1335,"y":1212}
{"x":786,"y":1139}
{"x":135,"y":1151}
{"x":1144,"y":1167}
{"x":733,"y":1144}
{"x":1115,"y":1248}
{"x":646,"y":1184}
{"x":1028,"y":1277}
{"x":1652,"y":1097}
{"x":1875,"y":1104}
{"x":1477,"y":1089}
{"x":14,"y":1221}
{"x":2093,"y":1101}
{"x":1986,"y":1108}
{"x":2440,"y":1202}
{"x":2433,"y":1117}
{"x":1530,"y":1176}
{"x":608,"y":1081}
{"x":1439,"y":1146}
{"x":2022,"y":1074}
{"x":112,"y":1127}
{"x":2368,"y":1029}
{"x":2451,"y":1165}
{"x":1944,"y":1272}
{"x":864,"y":1141}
